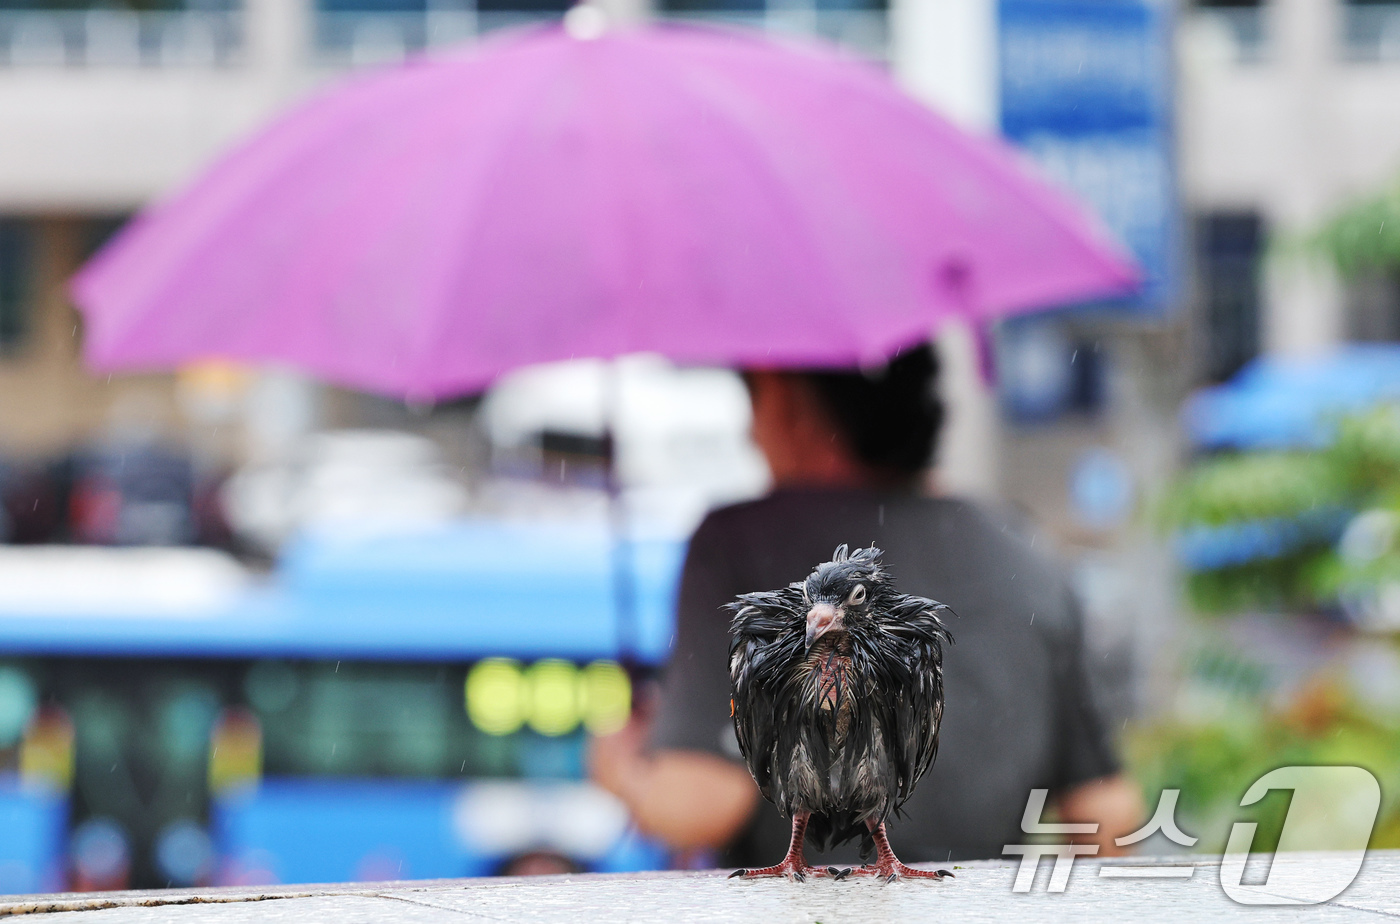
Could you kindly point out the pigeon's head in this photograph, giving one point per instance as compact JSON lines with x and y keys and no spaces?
{"x":841,"y":593}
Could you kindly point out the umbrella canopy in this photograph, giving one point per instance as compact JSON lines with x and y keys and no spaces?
{"x":701,"y":193}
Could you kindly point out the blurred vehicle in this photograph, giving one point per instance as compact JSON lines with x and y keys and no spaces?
{"x":392,"y":703}
{"x":131,"y":492}
{"x":132,"y":495}
{"x":31,"y":502}
{"x":674,"y":440}
{"x":375,"y":477}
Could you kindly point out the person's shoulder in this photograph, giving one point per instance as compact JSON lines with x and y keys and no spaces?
{"x":739,"y":519}
{"x":724,"y":533}
{"x":779,"y":511}
{"x":754,"y":507}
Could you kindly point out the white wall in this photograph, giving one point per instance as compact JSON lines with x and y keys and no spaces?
{"x":1294,"y":136}
{"x":86,"y":139}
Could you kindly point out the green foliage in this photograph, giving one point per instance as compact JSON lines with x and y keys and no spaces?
{"x":1358,"y":470}
{"x":1293,"y":583}
{"x":1365,"y":237}
{"x":1239,"y":725}
{"x":1366,"y":453}
{"x":1214,"y":763}
{"x":1254,"y":486}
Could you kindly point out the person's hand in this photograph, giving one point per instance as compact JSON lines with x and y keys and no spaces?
{"x":689,"y":799}
{"x":1115,"y":802}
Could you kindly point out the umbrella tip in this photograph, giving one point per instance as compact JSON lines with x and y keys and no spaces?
{"x":585,"y":22}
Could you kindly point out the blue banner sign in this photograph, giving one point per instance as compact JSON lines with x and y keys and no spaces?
{"x":1086,"y":91}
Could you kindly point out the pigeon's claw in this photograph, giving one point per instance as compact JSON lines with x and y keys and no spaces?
{"x":887,"y":866}
{"x":796,"y":871}
{"x":794,"y":865}
{"x":894,"y":870}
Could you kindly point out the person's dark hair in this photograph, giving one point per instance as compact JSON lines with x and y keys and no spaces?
{"x":890,"y":415}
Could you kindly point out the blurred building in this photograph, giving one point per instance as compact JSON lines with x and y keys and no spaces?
{"x":1289,"y":110}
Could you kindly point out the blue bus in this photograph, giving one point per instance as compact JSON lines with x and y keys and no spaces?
{"x":382,"y":705}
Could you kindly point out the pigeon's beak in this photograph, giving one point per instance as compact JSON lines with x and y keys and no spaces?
{"x":822,"y":619}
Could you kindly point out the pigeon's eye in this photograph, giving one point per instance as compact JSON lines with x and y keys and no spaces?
{"x":857,"y":596}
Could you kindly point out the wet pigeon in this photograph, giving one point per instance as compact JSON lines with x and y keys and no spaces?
{"x":838,"y":695}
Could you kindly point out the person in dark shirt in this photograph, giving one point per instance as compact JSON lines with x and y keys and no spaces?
{"x":847,"y":452}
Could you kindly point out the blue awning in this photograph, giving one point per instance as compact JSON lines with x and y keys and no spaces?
{"x":1279,"y":402}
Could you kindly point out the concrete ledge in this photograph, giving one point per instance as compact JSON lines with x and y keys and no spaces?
{"x":981,"y":892}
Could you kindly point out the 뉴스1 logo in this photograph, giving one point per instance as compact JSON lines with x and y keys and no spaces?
{"x":1345,"y":800}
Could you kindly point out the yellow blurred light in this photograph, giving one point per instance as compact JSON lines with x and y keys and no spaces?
{"x":496,"y":696}
{"x":606,"y":697}
{"x":211,"y":390}
{"x":553,"y":697}
{"x":212,"y":375}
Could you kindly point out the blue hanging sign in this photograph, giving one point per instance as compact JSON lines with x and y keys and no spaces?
{"x":1086,"y":91}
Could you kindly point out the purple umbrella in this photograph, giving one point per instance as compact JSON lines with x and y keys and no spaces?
{"x":711,"y":196}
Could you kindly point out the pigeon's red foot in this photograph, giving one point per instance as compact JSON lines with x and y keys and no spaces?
{"x":887,"y":865}
{"x":794,"y":865}
{"x":891,"y":869}
{"x":796,"y":870}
